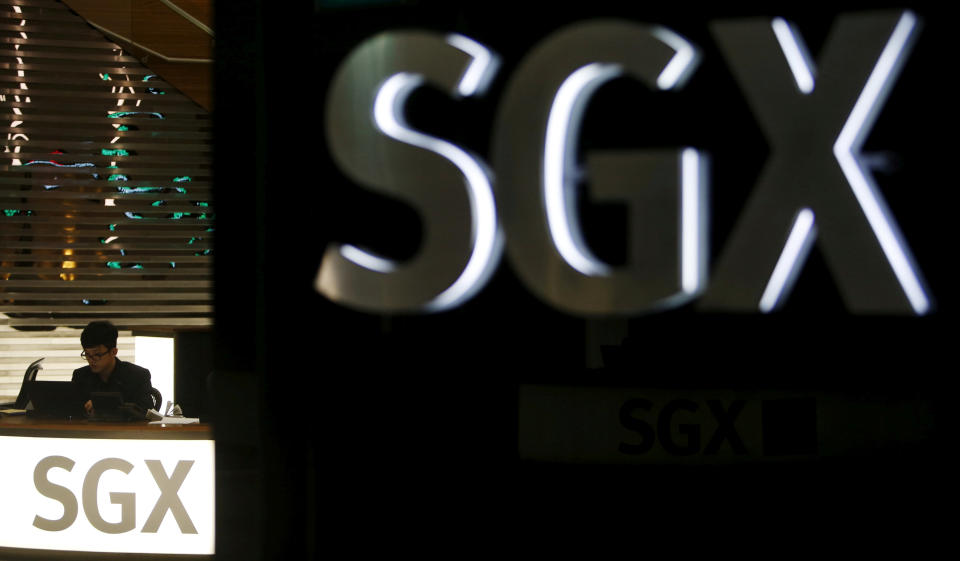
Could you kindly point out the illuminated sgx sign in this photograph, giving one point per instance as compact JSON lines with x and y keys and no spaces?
{"x":813,"y":188}
{"x":108,"y":495}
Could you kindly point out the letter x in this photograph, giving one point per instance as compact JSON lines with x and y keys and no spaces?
{"x":814,"y":187}
{"x":169,"y":499}
{"x":725,"y":429}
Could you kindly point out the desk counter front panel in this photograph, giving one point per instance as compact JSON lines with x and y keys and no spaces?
{"x":106,"y":487}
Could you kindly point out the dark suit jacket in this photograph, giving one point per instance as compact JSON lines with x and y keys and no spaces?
{"x":132,"y":381}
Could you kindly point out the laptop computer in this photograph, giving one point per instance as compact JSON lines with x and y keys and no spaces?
{"x":53,"y":399}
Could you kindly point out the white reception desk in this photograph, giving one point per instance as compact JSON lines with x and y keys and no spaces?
{"x":127,"y":490}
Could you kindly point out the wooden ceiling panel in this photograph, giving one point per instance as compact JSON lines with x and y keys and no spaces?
{"x":173,"y":37}
{"x":157,"y":26}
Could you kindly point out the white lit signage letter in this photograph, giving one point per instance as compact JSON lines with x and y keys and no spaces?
{"x":450,"y":188}
{"x":538,"y":174}
{"x":813,"y":170}
{"x":126,"y":501}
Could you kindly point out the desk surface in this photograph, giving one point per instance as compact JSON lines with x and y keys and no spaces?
{"x":22,"y":425}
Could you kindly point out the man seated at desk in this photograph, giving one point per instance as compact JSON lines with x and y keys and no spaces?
{"x":105,"y":372}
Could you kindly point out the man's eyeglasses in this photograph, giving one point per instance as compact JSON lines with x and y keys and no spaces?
{"x":93,"y":357}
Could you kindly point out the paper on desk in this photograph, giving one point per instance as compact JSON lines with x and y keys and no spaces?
{"x":13,"y":411}
{"x":177,"y":421}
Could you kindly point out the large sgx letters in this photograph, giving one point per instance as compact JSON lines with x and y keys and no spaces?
{"x":814,"y":182}
{"x":168,"y":486}
{"x":812,"y":190}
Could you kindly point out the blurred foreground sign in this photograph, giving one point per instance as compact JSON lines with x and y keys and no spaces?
{"x":813,"y":188}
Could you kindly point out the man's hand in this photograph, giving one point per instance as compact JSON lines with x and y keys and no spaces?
{"x":88,"y":407}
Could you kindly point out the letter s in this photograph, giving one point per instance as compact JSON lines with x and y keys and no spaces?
{"x":450,"y":188}
{"x":627,"y":420}
{"x":55,"y":492}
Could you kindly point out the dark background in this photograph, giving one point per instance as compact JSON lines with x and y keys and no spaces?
{"x":394,"y":433}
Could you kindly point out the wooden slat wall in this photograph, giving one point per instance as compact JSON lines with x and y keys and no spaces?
{"x":105,"y":185}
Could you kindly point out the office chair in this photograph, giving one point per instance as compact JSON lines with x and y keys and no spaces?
{"x":157,"y":399}
{"x":28,"y":376}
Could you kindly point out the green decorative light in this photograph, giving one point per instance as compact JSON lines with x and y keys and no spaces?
{"x":124,"y":189}
{"x":122,"y":114}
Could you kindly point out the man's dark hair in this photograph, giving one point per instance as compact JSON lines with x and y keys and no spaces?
{"x":99,"y":333}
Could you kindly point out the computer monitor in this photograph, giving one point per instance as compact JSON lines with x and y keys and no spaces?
{"x":54,"y":399}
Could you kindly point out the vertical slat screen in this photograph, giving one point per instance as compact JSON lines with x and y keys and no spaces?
{"x":105,"y":185}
